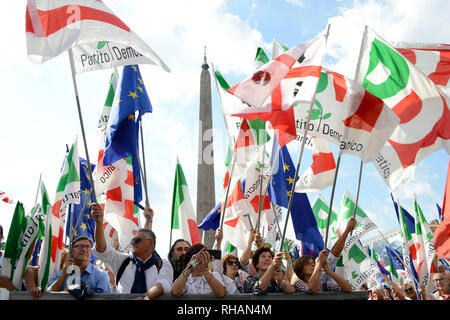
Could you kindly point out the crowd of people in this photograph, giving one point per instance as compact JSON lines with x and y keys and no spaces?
{"x":192,"y":270}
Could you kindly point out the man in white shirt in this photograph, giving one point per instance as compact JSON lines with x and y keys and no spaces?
{"x":144,"y":271}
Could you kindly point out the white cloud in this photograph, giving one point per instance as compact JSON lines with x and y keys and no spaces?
{"x":400,"y":20}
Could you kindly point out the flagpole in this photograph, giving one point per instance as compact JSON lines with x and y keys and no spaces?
{"x":299,"y":161}
{"x":226,"y":194}
{"x":330,"y":208}
{"x":260,"y":188}
{"x":37,"y":193}
{"x":82,"y":125}
{"x":143,"y":168}
{"x":357,"y":193}
{"x":340,"y":152}
{"x":358,"y":67}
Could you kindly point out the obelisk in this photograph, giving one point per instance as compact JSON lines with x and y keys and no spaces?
{"x":205,"y":170}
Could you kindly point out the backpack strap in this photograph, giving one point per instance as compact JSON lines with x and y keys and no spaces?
{"x":122,"y":268}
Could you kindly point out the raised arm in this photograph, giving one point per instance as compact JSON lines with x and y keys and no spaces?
{"x":148,"y":214}
{"x":97,"y":214}
{"x":339,"y":245}
{"x":344,"y":284}
{"x":245,"y":256}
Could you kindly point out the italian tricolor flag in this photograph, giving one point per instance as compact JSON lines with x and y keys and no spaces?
{"x":183,"y":215}
{"x":67,"y":192}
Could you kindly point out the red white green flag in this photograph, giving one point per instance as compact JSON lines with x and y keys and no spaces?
{"x":425,"y":249}
{"x":67,"y":192}
{"x":282,"y":72}
{"x":183,"y":215}
{"x":13,"y":244}
{"x":45,"y":258}
{"x":237,"y":210}
{"x":421,"y":106}
{"x":322,"y":170}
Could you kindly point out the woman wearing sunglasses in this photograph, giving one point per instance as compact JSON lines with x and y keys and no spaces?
{"x":196,"y":277}
{"x":233,"y":275}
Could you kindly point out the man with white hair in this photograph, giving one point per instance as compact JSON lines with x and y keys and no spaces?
{"x":144,"y":271}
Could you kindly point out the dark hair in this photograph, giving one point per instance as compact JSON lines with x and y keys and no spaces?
{"x":257,"y":253}
{"x":1,"y":232}
{"x":299,"y":264}
{"x":172,"y":249}
{"x":191,"y":251}
{"x":227,"y":258}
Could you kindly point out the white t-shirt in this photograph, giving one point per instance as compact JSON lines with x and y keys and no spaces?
{"x":114,"y":260}
{"x":199,"y":285}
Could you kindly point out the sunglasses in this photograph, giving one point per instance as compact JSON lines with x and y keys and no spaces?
{"x":136,"y":240}
{"x":230,"y":263}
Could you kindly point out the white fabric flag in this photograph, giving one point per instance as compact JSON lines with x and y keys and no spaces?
{"x":99,"y":39}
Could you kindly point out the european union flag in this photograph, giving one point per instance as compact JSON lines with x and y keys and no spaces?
{"x":86,"y":225}
{"x":303,"y":219}
{"x":212,"y":219}
{"x":396,"y":258}
{"x":409,"y":218}
{"x":122,"y":133}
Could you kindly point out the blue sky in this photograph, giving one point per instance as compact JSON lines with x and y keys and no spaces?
{"x":39,"y":116}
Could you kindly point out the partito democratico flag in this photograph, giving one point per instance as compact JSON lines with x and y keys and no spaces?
{"x":99,"y":39}
{"x":418,"y":102}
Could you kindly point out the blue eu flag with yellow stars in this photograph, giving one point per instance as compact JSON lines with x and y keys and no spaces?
{"x":212,"y":219}
{"x":303,"y":219}
{"x":396,"y":258}
{"x":86,"y":224}
{"x":122,"y":133}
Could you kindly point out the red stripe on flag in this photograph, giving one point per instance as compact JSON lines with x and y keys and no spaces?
{"x":408,"y":107}
{"x":130,"y":178}
{"x":442,"y":73}
{"x":236,"y":195}
{"x":129,"y":211}
{"x":114,"y":194}
{"x":193,"y":231}
{"x":56,"y":19}
{"x":245,"y":136}
{"x":407,"y":152}
{"x":255,"y":203}
{"x":340,"y":86}
{"x":232,"y":223}
{"x":276,"y":99}
{"x":286,"y":59}
{"x":322,"y":162}
{"x":367,"y":114}
{"x":305,"y":71}
{"x":408,"y":54}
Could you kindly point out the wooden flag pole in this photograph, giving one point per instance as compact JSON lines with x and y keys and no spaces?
{"x":72,"y":67}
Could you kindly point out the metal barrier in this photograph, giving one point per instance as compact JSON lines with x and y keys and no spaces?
{"x":355,"y":295}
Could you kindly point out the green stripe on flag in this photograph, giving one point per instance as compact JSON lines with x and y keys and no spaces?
{"x":70,"y":172}
{"x":261,"y":56}
{"x":178,"y":196}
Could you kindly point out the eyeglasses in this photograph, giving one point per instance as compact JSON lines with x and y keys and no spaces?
{"x":136,"y":240}
{"x":231,"y":262}
{"x":81,"y":247}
